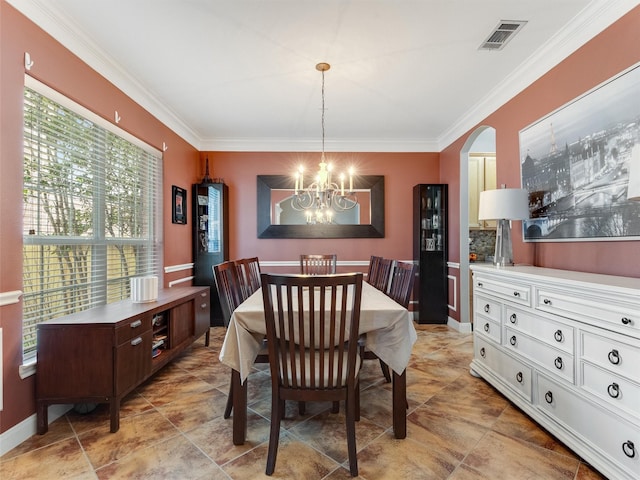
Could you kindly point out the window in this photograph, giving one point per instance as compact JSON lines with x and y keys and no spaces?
{"x":91,"y":210}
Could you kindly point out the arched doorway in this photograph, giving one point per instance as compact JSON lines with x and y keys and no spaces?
{"x":481,"y":139}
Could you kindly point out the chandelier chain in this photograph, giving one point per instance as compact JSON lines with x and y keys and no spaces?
{"x":322,"y":113}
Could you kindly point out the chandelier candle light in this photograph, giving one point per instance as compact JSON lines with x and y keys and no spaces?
{"x":323,"y":197}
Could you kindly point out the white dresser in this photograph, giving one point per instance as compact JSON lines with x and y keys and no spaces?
{"x":565,"y":347}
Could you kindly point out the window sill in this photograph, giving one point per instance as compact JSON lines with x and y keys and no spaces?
{"x":27,"y":369}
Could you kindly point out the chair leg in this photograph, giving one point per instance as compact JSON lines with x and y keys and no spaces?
{"x":335,"y":408}
{"x":277,"y":412}
{"x":207,"y":336}
{"x":302,"y":408}
{"x":385,"y":371}
{"x":229,"y":407}
{"x":351,"y":432}
{"x":357,"y":409}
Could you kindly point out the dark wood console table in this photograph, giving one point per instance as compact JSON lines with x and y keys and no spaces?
{"x":102,"y":354}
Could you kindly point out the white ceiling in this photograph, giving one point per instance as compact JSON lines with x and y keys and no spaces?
{"x":406,"y":75}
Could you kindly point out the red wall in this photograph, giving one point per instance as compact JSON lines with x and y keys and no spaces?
{"x":61,"y":70}
{"x":401,"y":172}
{"x":611,"y":52}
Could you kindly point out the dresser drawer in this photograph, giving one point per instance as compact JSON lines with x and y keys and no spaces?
{"x":612,"y":354}
{"x":487,"y":307}
{"x":513,"y":291}
{"x":549,"y":331}
{"x":555,"y":361}
{"x":615,"y":390}
{"x":612,"y":436}
{"x":514,"y":372}
{"x":132,"y":328}
{"x":589,"y":309}
{"x":487,"y":327}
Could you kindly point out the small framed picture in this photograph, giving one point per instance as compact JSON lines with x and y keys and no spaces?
{"x":179,"y":205}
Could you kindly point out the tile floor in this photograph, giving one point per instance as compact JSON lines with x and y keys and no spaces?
{"x":172,"y":428}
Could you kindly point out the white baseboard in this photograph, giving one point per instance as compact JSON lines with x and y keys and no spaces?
{"x":28,"y":428}
{"x":461,"y":327}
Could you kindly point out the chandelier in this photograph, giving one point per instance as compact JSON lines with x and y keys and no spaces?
{"x":324,"y":196}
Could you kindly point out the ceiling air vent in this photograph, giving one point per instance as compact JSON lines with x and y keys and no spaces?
{"x":500,"y":35}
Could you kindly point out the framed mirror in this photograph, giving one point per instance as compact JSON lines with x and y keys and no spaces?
{"x":365,"y":221}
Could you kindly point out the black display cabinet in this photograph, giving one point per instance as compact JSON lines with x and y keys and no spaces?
{"x":210,"y":238}
{"x":430,"y":251}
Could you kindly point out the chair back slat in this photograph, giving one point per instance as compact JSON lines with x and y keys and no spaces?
{"x":374,"y":268}
{"x":248,"y":275}
{"x":401,"y":285}
{"x":229,"y":289}
{"x":383,"y":275}
{"x":311,"y":264}
{"x":312,"y":327}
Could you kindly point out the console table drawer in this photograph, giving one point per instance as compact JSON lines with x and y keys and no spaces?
{"x":488,"y":328}
{"x":513,"y":291}
{"x":611,"y":354}
{"x":609,"y":434}
{"x":132,"y":328}
{"x":554,"y":333}
{"x":488,"y":307}
{"x":558,"y":362}
{"x":616,"y":390}
{"x":516,"y":373}
{"x":588,"y":307}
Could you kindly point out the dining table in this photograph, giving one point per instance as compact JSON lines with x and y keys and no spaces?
{"x":386,"y":326}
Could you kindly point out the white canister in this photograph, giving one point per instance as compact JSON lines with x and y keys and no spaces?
{"x":144,"y":289}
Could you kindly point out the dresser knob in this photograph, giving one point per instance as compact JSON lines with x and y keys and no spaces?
{"x":482,"y":352}
{"x":136,"y":341}
{"x":516,"y":294}
{"x":513,"y":340}
{"x":629,"y":449}
{"x":513,"y":318}
{"x":613,"y":390}
{"x":203,"y":305}
{"x":558,"y":336}
{"x":546,"y":301}
{"x":136,"y":324}
{"x":519,"y":377}
{"x":487,"y":308}
{"x":480,"y":284}
{"x":486,"y":327}
{"x":626,"y":321}
{"x":614,"y":357}
{"x":548,"y":397}
{"x":558,"y":363}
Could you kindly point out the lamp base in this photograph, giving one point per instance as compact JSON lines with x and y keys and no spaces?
{"x":503,"y":255}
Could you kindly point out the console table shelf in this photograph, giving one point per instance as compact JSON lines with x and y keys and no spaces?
{"x":102,"y":354}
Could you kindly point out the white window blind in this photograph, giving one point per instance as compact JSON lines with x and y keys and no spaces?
{"x":91,"y":210}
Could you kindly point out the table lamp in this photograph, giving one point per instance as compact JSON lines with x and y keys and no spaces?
{"x":504,"y":205}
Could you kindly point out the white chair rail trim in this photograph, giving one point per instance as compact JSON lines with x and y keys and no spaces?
{"x":7,"y":298}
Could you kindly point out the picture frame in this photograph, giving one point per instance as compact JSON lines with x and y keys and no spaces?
{"x":178,"y":205}
{"x":581,"y":166}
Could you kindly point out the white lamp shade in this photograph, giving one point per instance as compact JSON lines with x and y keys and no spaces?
{"x":504,"y":204}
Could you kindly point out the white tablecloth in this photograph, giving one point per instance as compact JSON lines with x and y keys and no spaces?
{"x":388,"y":326}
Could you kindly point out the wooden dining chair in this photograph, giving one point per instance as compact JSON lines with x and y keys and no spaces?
{"x":374,"y":267}
{"x":229,"y":288}
{"x":230,"y":294}
{"x":318,"y":264}
{"x":248,"y":275}
{"x":383,"y":275}
{"x":402,"y":279}
{"x":313,"y":352}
